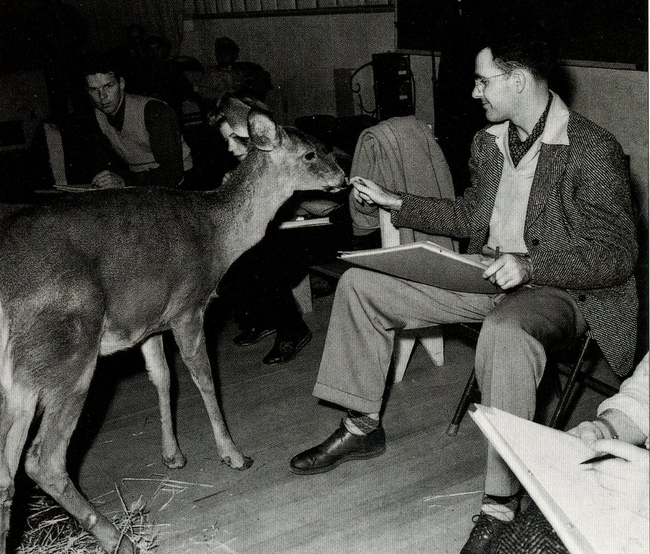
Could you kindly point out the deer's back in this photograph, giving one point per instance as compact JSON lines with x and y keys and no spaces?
{"x":138,"y":257}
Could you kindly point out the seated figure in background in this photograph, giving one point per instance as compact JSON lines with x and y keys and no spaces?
{"x":259,"y":284}
{"x":231,"y":76}
{"x":625,"y":417}
{"x":550,"y":190}
{"x":142,"y":132}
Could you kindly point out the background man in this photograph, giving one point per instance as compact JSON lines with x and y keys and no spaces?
{"x":550,"y":190}
{"x":142,"y":131}
{"x":232,"y":76}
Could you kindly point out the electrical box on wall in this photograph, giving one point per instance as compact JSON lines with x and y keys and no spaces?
{"x":393,"y":83}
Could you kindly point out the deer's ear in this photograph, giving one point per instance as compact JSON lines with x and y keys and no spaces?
{"x":264,"y":133}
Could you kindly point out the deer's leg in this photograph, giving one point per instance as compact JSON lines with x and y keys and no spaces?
{"x":191,"y":342}
{"x":17,"y":408}
{"x":45,"y":463}
{"x":154,"y":357}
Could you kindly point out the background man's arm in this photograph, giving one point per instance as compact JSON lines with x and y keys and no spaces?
{"x":166,"y":144}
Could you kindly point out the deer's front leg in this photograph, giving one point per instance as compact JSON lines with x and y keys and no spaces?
{"x":156,"y":363}
{"x":191,"y":342}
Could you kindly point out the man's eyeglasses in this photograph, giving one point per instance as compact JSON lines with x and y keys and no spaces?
{"x":481,"y":82}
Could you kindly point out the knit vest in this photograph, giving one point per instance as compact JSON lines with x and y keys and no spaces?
{"x":511,"y":202}
{"x":132,"y":142}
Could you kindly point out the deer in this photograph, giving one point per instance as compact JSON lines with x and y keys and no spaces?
{"x":89,"y":274}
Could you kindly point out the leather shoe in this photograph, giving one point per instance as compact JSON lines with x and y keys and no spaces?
{"x":341,"y":446}
{"x":252,"y":335}
{"x":286,"y":350}
{"x":484,"y":533}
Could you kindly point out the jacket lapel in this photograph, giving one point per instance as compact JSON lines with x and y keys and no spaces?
{"x":550,"y":169}
{"x":492,"y":169}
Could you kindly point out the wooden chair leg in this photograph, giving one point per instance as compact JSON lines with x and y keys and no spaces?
{"x":463,"y":405}
{"x":434,"y":345}
{"x":401,"y":355}
{"x":565,"y":398}
{"x":432,"y":341}
{"x":302,"y":294}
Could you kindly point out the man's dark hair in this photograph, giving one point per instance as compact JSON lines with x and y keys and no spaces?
{"x":104,"y":62}
{"x":522,"y":45}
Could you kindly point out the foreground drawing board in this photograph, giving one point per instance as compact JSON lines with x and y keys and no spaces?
{"x":588,"y":518}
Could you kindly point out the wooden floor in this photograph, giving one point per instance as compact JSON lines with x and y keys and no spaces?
{"x":418,"y":497}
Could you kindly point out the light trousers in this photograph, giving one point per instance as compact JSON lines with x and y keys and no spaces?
{"x":518,"y":327}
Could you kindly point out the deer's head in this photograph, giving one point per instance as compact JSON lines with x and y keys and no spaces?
{"x":298,"y":161}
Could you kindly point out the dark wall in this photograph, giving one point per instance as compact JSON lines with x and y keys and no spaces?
{"x":594,"y":30}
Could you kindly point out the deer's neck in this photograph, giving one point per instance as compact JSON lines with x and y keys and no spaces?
{"x":250,"y":199}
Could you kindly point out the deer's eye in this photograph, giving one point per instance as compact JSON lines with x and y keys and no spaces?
{"x":310,"y":156}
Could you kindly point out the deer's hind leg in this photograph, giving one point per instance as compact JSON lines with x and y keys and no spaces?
{"x":154,"y":356}
{"x":45,"y":462}
{"x":17,"y":408}
{"x":188,"y":332}
{"x":62,"y":346}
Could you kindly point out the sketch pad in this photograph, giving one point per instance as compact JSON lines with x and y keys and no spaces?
{"x":588,"y":518}
{"x":426,"y":262}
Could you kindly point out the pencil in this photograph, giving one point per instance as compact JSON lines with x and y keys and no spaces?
{"x":597,"y":459}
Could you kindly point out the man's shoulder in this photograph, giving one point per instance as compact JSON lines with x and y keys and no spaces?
{"x":487,"y":136}
{"x":154,"y":106}
{"x":584,"y":131}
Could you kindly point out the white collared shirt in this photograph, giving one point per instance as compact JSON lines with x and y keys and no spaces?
{"x":511,"y":202}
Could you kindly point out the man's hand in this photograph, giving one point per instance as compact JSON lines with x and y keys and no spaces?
{"x":368,"y":192}
{"x":107,"y":180}
{"x":587,"y":431}
{"x":627,"y":474}
{"x":509,"y":271}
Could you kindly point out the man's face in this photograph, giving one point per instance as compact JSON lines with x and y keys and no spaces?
{"x":105,"y":91}
{"x":493,"y":88}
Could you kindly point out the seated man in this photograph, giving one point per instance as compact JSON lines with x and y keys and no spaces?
{"x":142,"y":131}
{"x":550,"y":190}
{"x":232,"y":76}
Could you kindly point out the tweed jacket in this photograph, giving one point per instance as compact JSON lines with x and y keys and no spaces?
{"x":579,"y":228}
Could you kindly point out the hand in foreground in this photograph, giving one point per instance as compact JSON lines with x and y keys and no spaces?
{"x":107,"y":180}
{"x":509,"y":271}
{"x":368,"y":192}
{"x":627,"y":474}
{"x":587,"y":431}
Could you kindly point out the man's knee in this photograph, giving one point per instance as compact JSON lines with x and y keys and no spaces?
{"x":507,"y":352}
{"x":351,"y":283}
{"x":501,"y":323}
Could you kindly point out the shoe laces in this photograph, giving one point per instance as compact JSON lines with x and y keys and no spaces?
{"x":484,"y":525}
{"x":286,"y":347}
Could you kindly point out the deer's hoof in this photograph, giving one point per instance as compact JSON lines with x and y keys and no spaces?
{"x":176,"y":461}
{"x":248,"y":462}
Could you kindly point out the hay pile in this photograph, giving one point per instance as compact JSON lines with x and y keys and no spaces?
{"x":50,"y":530}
